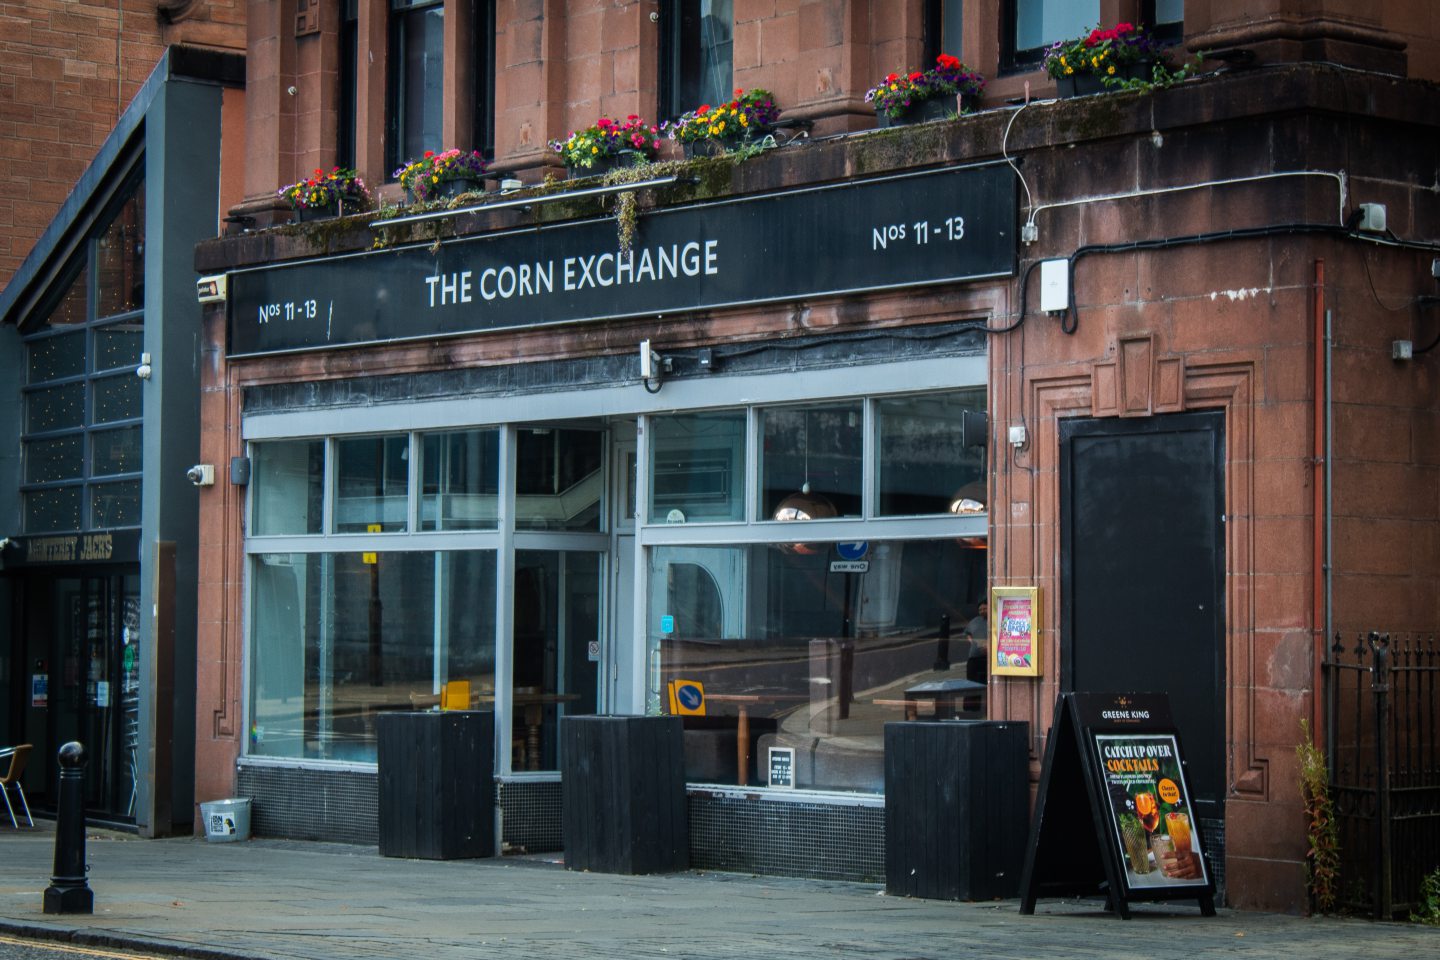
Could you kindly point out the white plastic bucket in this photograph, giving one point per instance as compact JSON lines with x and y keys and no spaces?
{"x":226,"y":820}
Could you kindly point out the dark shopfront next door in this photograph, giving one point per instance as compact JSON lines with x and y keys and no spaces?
{"x":1142,"y":574}
{"x":76,"y":677}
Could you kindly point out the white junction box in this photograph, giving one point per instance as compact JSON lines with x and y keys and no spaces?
{"x":1054,"y":285}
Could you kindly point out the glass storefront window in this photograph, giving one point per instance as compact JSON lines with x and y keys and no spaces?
{"x":56,"y":408}
{"x":54,"y":358}
{"x":286,"y":487}
{"x":557,"y":619}
{"x":115,"y":451}
{"x":924,"y":465}
{"x":810,"y":462}
{"x":115,"y":504}
{"x":697,"y":467}
{"x":50,"y":510}
{"x":336,"y":641}
{"x":119,"y":345}
{"x":372,"y":475}
{"x":460,"y":480}
{"x":559,"y":478}
{"x":58,"y":458}
{"x":791,"y":654}
{"x":117,"y":398}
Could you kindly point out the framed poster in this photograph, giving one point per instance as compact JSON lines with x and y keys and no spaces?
{"x":1015,"y":631}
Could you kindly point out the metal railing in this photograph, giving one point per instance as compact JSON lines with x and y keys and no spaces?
{"x":1382,"y":709}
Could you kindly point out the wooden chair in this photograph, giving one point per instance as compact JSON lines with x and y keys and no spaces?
{"x":18,"y":756}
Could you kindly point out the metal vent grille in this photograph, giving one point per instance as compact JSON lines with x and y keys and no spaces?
{"x":531,"y":815}
{"x":786,"y":838}
{"x":340,"y":806}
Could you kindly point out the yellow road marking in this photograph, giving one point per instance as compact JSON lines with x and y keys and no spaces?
{"x":68,"y":948}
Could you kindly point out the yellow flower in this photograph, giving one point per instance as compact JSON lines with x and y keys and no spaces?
{"x":1110,"y":69}
{"x":594,"y":149}
{"x":1069,"y":70}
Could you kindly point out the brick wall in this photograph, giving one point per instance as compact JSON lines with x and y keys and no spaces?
{"x":68,"y":68}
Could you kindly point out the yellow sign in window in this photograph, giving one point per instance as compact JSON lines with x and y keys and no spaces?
{"x":687,"y":698}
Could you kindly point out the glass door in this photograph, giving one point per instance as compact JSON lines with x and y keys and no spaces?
{"x":83,"y":683}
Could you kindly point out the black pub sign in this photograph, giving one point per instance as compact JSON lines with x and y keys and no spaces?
{"x":932,"y":227}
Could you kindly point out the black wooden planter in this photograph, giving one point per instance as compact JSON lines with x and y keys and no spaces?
{"x":624,"y":794}
{"x":437,"y":784}
{"x":957,"y":808}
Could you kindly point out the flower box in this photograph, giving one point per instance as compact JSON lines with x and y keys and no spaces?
{"x":938,"y":93}
{"x":607,"y":144}
{"x":605,"y":164}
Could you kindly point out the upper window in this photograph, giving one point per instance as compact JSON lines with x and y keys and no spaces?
{"x":942,"y":28}
{"x":697,"y":59}
{"x":1166,"y":18}
{"x":1035,"y":24}
{"x":349,"y":58}
{"x":417,"y":80}
{"x":82,"y":432}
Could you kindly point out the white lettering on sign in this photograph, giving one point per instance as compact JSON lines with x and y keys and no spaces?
{"x":584,"y":272}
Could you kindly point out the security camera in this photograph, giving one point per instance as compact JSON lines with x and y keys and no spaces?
{"x":202,"y":474}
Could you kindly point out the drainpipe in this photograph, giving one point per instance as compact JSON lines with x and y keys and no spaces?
{"x":1322,"y":710}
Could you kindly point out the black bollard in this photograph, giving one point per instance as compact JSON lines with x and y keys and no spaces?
{"x":68,"y":891}
{"x":942,"y":646}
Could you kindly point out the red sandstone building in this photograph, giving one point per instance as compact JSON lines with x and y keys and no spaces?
{"x":440,"y":458}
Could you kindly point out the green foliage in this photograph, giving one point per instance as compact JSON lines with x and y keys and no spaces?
{"x":1429,"y":912}
{"x":1322,"y":859}
{"x":1161,"y":76}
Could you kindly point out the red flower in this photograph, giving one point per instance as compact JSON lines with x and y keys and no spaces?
{"x":604,"y":123}
{"x":704,"y":109}
{"x":1124,"y":28}
{"x":947,"y":62}
{"x":891,"y":77}
{"x":739,"y":91}
{"x":916,"y":75}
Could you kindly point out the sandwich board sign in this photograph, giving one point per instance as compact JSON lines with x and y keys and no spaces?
{"x":1113,"y":814}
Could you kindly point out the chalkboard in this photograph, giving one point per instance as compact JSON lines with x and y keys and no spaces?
{"x":1113,"y":815}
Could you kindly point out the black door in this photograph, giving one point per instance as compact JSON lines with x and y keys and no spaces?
{"x":1142,"y":574}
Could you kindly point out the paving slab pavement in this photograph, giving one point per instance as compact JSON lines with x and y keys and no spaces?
{"x":319,"y":901}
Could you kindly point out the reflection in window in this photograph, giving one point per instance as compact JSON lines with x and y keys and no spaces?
{"x":286,"y":486}
{"x":944,"y":20}
{"x":56,"y":408}
{"x":697,"y":467}
{"x":371,"y":479}
{"x":117,"y":398}
{"x":810,"y":461}
{"x":55,"y":358}
{"x":115,"y":451}
{"x":120,"y":259}
{"x":58,"y":458}
{"x":1039,"y":23}
{"x":115,"y":504}
{"x":809,"y":657}
{"x":417,"y":57}
{"x":557,"y":618}
{"x":335,"y":641}
{"x":924,"y":464}
{"x":460,"y":480}
{"x":119,"y":345}
{"x":700,"y":54}
{"x":52,"y":509}
{"x":559,"y":479}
